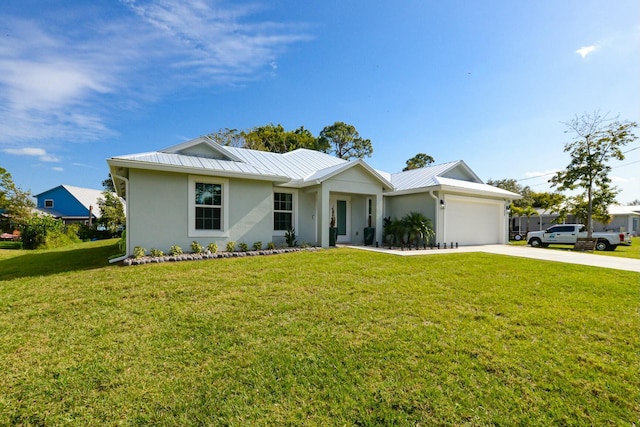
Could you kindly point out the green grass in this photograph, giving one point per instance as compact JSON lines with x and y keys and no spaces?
{"x":336,"y":337}
{"x":632,"y":251}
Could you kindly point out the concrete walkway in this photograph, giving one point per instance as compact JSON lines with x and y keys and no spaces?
{"x":570,"y":257}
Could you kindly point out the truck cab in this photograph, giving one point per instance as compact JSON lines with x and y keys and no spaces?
{"x":563,"y":234}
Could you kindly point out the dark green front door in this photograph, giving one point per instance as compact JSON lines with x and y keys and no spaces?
{"x":341,"y":217}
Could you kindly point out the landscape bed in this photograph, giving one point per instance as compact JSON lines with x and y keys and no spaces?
{"x":333,"y":337}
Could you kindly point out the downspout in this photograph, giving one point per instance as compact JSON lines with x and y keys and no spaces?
{"x":436,"y":213}
{"x":126,"y":214}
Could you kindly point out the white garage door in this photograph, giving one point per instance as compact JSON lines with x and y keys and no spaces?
{"x":473,"y":221}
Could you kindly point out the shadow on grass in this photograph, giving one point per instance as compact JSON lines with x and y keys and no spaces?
{"x":44,"y":263}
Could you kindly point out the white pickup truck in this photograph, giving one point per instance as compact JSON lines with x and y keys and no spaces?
{"x":567,"y":234}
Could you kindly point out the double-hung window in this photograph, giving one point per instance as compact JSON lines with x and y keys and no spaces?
{"x":208,"y":207}
{"x":282,"y":211}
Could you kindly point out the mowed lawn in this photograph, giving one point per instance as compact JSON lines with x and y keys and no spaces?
{"x":334,"y":337}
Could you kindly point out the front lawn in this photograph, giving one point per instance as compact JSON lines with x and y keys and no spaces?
{"x":335,"y":337}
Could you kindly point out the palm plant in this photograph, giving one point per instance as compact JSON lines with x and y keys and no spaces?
{"x":418,"y":228}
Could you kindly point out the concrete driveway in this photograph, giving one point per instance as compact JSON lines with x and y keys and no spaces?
{"x":570,"y":257}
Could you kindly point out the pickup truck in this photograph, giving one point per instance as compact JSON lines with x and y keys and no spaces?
{"x":567,"y":234}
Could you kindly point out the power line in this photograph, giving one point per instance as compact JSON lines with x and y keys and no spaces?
{"x":553,"y":173}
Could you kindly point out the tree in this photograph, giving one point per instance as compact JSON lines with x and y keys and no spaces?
{"x":112,"y":215}
{"x":635,"y":202}
{"x":273,"y":138}
{"x":229,"y":137}
{"x":597,"y":139}
{"x":344,"y":141}
{"x":108,"y":184}
{"x":512,"y":185}
{"x":14,"y":202}
{"x":418,"y":161}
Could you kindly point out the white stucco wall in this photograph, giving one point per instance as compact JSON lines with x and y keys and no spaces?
{"x":157,"y":205}
{"x":398,"y":206}
{"x":306,"y":231}
{"x":159,"y":211}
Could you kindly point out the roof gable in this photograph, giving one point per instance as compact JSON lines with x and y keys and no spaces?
{"x":426,"y":177}
{"x":327,"y":173}
{"x":201,"y":147}
{"x":460,"y":170}
{"x":453,"y":176}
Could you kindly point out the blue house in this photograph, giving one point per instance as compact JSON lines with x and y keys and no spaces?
{"x":71,"y":204}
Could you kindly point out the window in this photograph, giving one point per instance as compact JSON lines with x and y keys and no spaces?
{"x":369,"y":211}
{"x":48,"y":203}
{"x":282,"y":211}
{"x":561,"y":229}
{"x":208,"y":207}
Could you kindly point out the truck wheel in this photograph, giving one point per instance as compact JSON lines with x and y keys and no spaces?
{"x":535,"y":242}
{"x":602,"y":245}
{"x":518,"y":237}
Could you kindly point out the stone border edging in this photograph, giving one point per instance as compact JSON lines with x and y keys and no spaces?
{"x":208,"y":255}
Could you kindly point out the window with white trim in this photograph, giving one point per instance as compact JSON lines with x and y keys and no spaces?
{"x":208,"y":207}
{"x":48,"y":203}
{"x":282,"y":211}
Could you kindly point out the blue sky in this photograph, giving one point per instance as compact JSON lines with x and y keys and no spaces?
{"x":488,"y":82}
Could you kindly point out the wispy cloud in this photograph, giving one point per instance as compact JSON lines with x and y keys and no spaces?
{"x":586,"y":50}
{"x":40,"y":153}
{"x":58,"y":84}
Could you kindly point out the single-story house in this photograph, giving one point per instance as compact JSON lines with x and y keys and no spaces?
{"x":202,"y":191}
{"x":623,"y":219}
{"x":71,"y":204}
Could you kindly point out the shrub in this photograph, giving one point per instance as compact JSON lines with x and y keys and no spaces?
{"x":86,"y":232}
{"x":35,"y":230}
{"x":196,"y":247}
{"x":156,"y":252}
{"x":139,"y":252}
{"x":271,"y":246}
{"x":212,"y":247}
{"x":290,"y":237}
{"x":122,"y":243}
{"x":176,"y":250}
{"x":57,"y":239}
{"x":243,"y":247}
{"x":231,"y":246}
{"x":257,"y":246}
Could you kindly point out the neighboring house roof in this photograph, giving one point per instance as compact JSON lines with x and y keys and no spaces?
{"x":298,"y":168}
{"x":614,"y":210}
{"x":87,"y":197}
{"x":624,"y":210}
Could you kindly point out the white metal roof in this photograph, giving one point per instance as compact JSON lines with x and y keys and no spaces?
{"x":420,"y":178}
{"x":195,"y":162}
{"x":624,"y":210}
{"x":300,"y":168}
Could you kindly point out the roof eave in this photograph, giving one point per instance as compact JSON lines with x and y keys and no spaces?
{"x":136,"y":164}
{"x":480,"y":192}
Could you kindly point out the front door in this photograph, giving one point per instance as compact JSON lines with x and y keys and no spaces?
{"x":342,"y":207}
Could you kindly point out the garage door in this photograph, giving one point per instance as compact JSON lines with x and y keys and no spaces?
{"x":473,"y":221}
